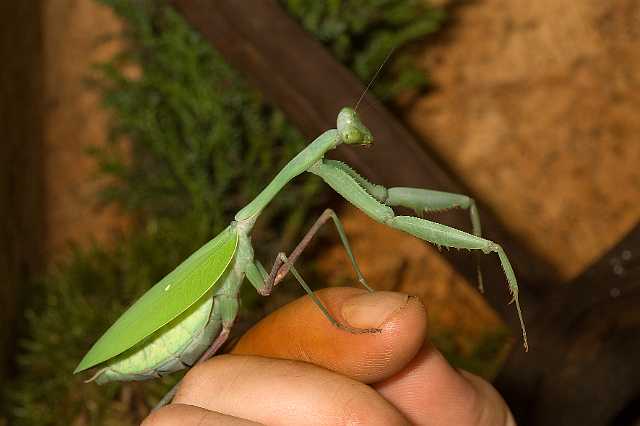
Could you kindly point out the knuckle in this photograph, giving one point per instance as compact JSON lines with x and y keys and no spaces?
{"x":359,"y":410}
{"x":199,"y":374}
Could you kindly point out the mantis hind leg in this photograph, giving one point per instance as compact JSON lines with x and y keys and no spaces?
{"x":215,"y":346}
{"x":225,"y":309}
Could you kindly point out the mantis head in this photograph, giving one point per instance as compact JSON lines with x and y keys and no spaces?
{"x":351,"y":129}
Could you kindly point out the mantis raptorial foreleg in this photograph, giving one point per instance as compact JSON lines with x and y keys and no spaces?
{"x":427,"y":200}
{"x":419,"y":200}
{"x":352,"y":189}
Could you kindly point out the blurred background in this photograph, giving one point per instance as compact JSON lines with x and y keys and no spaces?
{"x":134,"y":130}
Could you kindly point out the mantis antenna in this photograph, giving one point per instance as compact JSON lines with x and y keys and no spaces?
{"x":373,"y":79}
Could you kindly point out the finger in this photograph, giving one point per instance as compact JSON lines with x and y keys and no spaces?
{"x":273,"y":391}
{"x":428,"y":391}
{"x":299,"y":331}
{"x":188,"y":415}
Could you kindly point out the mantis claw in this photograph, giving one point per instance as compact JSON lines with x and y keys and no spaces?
{"x":354,"y":330}
{"x":95,"y":376}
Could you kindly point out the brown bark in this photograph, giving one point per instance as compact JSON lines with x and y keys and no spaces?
{"x":21,"y":159}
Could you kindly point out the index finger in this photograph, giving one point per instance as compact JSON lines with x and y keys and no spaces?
{"x":298,"y":331}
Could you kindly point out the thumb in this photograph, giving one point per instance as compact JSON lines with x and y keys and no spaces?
{"x":299,"y":331}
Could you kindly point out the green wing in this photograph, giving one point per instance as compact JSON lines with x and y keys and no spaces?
{"x":166,"y":300}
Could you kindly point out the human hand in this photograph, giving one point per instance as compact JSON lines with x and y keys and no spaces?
{"x":295,"y":368}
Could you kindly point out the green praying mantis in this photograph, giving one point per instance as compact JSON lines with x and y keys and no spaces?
{"x":186,"y":317}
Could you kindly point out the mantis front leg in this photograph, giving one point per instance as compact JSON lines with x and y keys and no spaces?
{"x":350,"y":185}
{"x":419,"y":200}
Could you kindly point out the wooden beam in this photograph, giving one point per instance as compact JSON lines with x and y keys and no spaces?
{"x":22,"y":222}
{"x":586,"y":369}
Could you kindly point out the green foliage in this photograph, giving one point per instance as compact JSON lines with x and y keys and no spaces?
{"x":191,"y":143}
{"x":361,"y":33}
{"x":484,"y":359}
{"x":202,"y":142}
{"x":81,"y":298}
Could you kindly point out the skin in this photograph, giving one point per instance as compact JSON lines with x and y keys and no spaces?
{"x":289,"y":372}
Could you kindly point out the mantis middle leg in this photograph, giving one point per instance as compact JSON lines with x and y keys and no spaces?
{"x":350,"y":186}
{"x":259,"y":278}
{"x":280,"y":268}
{"x":264,"y":283}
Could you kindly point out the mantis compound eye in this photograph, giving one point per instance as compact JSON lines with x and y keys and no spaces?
{"x":352,"y":136}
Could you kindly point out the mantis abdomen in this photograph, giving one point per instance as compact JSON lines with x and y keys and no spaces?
{"x":176,"y":346}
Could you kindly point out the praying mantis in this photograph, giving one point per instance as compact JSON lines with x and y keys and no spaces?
{"x":186,"y":317}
